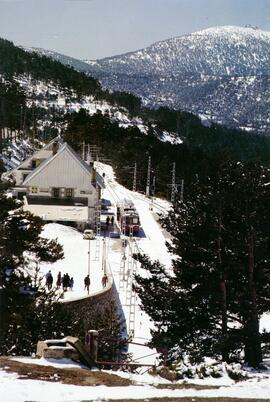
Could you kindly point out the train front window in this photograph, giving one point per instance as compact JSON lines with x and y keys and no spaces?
{"x":135,"y":221}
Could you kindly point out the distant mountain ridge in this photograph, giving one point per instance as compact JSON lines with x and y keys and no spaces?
{"x":41,"y":97}
{"x":214,"y":51}
{"x":222,"y":74}
{"x":66,"y":60}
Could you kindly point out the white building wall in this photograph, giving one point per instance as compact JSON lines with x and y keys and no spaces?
{"x":18,"y":176}
{"x":64,"y":171}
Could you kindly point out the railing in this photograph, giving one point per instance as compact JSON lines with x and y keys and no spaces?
{"x":82,"y":202}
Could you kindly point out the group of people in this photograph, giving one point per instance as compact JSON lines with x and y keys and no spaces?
{"x":87,"y":282}
{"x":65,"y":281}
{"x":110,"y":220}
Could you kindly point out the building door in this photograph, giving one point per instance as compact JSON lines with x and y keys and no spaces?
{"x":56,"y":192}
{"x":69,"y":192}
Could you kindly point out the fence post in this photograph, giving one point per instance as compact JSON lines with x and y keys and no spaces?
{"x":93,"y":344}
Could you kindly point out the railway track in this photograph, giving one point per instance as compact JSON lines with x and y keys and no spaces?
{"x":133,"y":195}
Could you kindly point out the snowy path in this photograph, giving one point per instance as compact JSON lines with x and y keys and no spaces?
{"x":75,"y":262}
{"x":152,"y":243}
{"x":14,"y":389}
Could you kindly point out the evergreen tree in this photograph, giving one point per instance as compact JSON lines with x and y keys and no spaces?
{"x":211,"y":303}
{"x":23,"y":314}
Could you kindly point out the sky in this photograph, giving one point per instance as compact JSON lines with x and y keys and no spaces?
{"x":91,"y":29}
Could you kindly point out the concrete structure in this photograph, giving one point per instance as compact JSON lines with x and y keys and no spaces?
{"x":57,"y":185}
{"x":69,"y":347}
{"x":56,"y":349}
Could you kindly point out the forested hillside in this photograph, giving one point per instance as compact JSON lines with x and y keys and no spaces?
{"x":202,"y":150}
{"x":14,"y":61}
{"x":220,"y":74}
{"x":37,"y":114}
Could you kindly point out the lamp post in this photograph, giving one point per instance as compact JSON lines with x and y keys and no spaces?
{"x":89,"y":258}
{"x":89,"y":235}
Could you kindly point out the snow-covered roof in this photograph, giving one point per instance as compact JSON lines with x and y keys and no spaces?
{"x":33,"y":156}
{"x":65,"y":148}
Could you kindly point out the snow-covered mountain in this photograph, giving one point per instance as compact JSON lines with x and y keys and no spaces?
{"x":78,"y":65}
{"x":51,"y":99}
{"x":221,"y":74}
{"x":215,"y":51}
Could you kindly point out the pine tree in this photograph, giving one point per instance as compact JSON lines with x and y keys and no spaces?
{"x":23,"y":316}
{"x":211,"y":303}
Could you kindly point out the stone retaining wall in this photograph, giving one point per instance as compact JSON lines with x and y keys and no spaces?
{"x":96,"y":304}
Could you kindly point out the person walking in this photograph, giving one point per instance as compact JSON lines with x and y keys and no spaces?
{"x":66,"y":280}
{"x":87,"y":283}
{"x":107,"y":221}
{"x":71,"y":283}
{"x":49,"y":280}
{"x":112,"y":220}
{"x":104,"y":281}
{"x":48,"y":274}
{"x":58,"y":280}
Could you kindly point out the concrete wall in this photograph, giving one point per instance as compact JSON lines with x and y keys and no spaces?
{"x":85,"y":308}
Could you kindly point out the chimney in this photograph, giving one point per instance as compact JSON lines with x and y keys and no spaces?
{"x":94,"y":176}
{"x":55,"y":147}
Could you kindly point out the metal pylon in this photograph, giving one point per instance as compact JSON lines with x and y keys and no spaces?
{"x":132,"y":306}
{"x":132,"y":309}
{"x":97,"y":222}
{"x":130,"y":293}
{"x":122,"y":274}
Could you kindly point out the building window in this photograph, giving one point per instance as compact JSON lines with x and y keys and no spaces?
{"x":34,"y":190}
{"x":86,"y":192}
{"x":69,"y":192}
{"x":56,"y":192}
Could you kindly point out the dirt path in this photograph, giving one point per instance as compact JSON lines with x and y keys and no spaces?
{"x":75,"y":376}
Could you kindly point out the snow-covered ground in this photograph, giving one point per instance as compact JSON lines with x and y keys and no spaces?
{"x":152,"y":242}
{"x":76,"y":260}
{"x":48,"y":96}
{"x":20,"y":390}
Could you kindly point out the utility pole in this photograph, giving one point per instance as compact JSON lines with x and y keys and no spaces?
{"x":89,"y":248}
{"x":182,"y":190}
{"x":147,"y":192}
{"x":89,"y":156}
{"x":94,"y":151}
{"x":153,"y":186}
{"x":135,"y":177}
{"x":83,"y":151}
{"x":153,"y":192}
{"x":174,"y":187}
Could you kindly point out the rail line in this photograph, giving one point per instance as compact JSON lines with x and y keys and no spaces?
{"x":116,"y":198}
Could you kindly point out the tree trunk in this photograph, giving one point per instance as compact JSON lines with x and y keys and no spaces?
{"x":223,"y":294}
{"x":1,"y":140}
{"x":253,"y":351}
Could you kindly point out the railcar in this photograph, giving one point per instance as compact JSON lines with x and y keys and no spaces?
{"x":128,"y":218}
